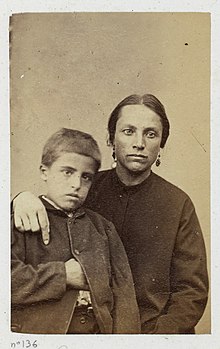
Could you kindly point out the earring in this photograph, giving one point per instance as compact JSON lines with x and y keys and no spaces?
{"x":114,"y":157}
{"x":158,"y":162}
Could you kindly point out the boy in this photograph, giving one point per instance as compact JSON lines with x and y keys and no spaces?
{"x":81,"y":281}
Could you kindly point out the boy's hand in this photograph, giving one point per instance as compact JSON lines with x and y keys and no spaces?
{"x":75,"y":276}
{"x":30,"y":214}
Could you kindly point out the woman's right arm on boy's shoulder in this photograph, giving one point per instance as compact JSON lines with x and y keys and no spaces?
{"x":30,"y":214}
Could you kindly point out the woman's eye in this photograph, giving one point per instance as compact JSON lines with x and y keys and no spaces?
{"x":151,"y":134}
{"x":128,"y":132}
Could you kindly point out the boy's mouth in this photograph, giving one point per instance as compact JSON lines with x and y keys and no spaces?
{"x":75,"y":196}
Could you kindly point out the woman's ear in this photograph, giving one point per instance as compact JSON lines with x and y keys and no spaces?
{"x":44,"y":172}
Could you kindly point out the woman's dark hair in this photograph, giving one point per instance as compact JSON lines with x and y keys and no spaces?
{"x":149,"y":101}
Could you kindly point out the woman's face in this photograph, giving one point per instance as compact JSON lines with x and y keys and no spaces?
{"x":137,"y":138}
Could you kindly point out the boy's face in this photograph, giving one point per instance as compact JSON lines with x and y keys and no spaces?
{"x":69,"y":179}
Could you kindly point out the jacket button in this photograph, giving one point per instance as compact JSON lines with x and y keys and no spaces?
{"x":76,"y":251}
{"x":82,"y":320}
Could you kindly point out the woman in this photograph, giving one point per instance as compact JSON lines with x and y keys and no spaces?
{"x":156,"y":220}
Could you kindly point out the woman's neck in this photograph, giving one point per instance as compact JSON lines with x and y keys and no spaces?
{"x":131,"y":178}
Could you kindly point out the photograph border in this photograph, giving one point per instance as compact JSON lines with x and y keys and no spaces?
{"x":10,"y":340}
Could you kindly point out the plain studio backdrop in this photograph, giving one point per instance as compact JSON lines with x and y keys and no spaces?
{"x":71,"y":69}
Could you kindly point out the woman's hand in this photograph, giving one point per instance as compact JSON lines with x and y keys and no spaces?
{"x":30,"y":214}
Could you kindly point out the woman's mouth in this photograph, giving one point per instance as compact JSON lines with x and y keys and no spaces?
{"x":137,"y":156}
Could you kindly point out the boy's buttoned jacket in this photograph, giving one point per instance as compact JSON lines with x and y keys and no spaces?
{"x":39,"y":277}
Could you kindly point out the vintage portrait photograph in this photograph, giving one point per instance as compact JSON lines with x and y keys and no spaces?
{"x":110,"y":118}
{"x":110,"y":162}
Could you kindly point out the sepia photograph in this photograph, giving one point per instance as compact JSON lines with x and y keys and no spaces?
{"x":138,"y":84}
{"x":110,"y":177}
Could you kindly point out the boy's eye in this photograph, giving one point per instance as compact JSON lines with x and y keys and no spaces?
{"x":128,"y":131}
{"x":87,"y":177}
{"x":67,"y":173}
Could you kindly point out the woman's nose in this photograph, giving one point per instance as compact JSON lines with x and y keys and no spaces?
{"x":139,"y":141}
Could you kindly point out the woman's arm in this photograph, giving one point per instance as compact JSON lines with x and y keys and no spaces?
{"x":189,"y":278}
{"x":30,"y":214}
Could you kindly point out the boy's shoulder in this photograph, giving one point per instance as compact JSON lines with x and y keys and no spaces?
{"x":94,"y":216}
{"x":101,"y":224}
{"x":99,"y":221}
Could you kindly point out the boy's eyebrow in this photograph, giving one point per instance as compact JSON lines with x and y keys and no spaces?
{"x":74,"y":169}
{"x":89,"y":173}
{"x":68,"y":168}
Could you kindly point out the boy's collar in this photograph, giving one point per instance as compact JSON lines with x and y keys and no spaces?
{"x":49,"y":204}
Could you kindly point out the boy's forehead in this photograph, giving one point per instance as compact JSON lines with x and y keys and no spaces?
{"x":75,"y":161}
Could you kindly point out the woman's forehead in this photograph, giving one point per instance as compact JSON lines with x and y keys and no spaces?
{"x":138,"y":116}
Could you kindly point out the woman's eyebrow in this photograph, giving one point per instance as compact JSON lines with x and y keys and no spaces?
{"x":128,"y":126}
{"x":151,"y":128}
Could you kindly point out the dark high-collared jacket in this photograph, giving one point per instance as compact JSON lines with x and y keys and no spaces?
{"x":161,"y":234}
{"x":39,"y":277}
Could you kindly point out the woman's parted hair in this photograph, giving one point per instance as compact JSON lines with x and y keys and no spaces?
{"x":70,"y":141}
{"x":149,"y":101}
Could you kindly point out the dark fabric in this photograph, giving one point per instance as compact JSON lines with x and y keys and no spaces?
{"x":38,"y":271}
{"x":161,"y":234}
{"x":45,"y":317}
{"x":83,"y":322}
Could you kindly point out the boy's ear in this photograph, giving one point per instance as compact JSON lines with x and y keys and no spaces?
{"x":43,"y":171}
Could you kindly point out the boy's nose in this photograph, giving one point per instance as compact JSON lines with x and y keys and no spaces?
{"x":76,"y":182}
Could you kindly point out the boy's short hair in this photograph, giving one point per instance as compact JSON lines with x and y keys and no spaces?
{"x":70,"y":141}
